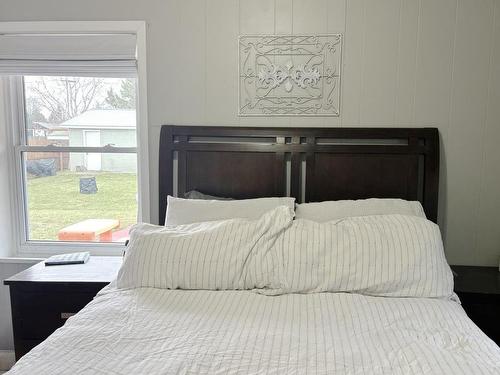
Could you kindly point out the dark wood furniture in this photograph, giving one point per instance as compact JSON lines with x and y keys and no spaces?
{"x":43,"y":297}
{"x":310,"y":164}
{"x":479,"y":291}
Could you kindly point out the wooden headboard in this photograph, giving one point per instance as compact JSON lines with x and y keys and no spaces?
{"x":310,"y":164}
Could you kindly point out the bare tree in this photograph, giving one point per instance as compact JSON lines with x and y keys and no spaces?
{"x":66,"y":97}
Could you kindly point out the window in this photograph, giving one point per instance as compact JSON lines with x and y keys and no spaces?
{"x":79,"y":163}
{"x":89,"y":194}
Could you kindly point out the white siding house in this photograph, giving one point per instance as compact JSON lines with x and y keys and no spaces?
{"x":97,"y":128}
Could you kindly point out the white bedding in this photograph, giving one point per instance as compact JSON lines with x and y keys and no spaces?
{"x":154,"y":331}
{"x":377,"y":255}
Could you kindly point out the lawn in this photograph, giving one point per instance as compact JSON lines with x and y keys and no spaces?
{"x":55,"y":202}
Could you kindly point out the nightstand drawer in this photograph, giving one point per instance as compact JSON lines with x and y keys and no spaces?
{"x":38,"y":326}
{"x":39,"y":313}
{"x":38,"y":330}
{"x":38,"y":310}
{"x":50,"y":303}
{"x":42,"y":298}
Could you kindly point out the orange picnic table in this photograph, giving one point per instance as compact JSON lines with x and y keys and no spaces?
{"x":89,"y":230}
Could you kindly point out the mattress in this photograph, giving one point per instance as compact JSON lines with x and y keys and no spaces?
{"x":155,"y":331}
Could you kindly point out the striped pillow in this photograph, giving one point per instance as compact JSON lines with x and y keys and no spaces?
{"x":384,"y":255}
{"x":219,"y":255}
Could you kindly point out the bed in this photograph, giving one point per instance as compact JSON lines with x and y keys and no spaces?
{"x":164,"y":328}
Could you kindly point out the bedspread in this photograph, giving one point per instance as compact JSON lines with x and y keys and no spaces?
{"x":154,"y":331}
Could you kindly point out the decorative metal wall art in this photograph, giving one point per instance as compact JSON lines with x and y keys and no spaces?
{"x":290,"y":75}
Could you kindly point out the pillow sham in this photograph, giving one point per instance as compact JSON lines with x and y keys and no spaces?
{"x":384,"y":255}
{"x":333,"y":210}
{"x":187,"y":211}
{"x":219,"y":255}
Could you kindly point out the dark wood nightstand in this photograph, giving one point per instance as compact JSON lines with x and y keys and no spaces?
{"x":479,"y":291}
{"x":43,"y":297}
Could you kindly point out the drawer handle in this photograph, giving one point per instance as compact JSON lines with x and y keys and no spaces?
{"x":66,"y":315}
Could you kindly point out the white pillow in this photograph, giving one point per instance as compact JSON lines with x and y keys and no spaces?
{"x":333,"y":210}
{"x":218,"y":255}
{"x":188,"y":211}
{"x":386,"y":255}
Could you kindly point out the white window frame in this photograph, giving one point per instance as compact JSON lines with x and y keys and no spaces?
{"x":14,"y":105}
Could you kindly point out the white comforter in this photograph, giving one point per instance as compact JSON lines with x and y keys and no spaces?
{"x":154,"y":331}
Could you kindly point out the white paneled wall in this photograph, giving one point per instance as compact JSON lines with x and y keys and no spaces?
{"x":406,"y":63}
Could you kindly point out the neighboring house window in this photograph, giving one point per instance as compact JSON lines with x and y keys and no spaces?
{"x":76,"y":140}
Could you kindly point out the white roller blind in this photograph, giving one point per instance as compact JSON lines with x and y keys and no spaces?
{"x":68,"y":54}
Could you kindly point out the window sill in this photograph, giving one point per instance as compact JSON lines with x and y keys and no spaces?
{"x":39,"y":249}
{"x":18,"y":260}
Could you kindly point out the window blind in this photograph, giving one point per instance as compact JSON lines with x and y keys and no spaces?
{"x":68,"y":54}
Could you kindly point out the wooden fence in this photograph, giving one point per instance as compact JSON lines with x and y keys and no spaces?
{"x":62,"y":158}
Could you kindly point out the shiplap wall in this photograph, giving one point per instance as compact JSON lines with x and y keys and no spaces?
{"x":406,"y":63}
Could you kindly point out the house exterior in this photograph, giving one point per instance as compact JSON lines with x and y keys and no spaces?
{"x":97,"y":128}
{"x":43,"y":133}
